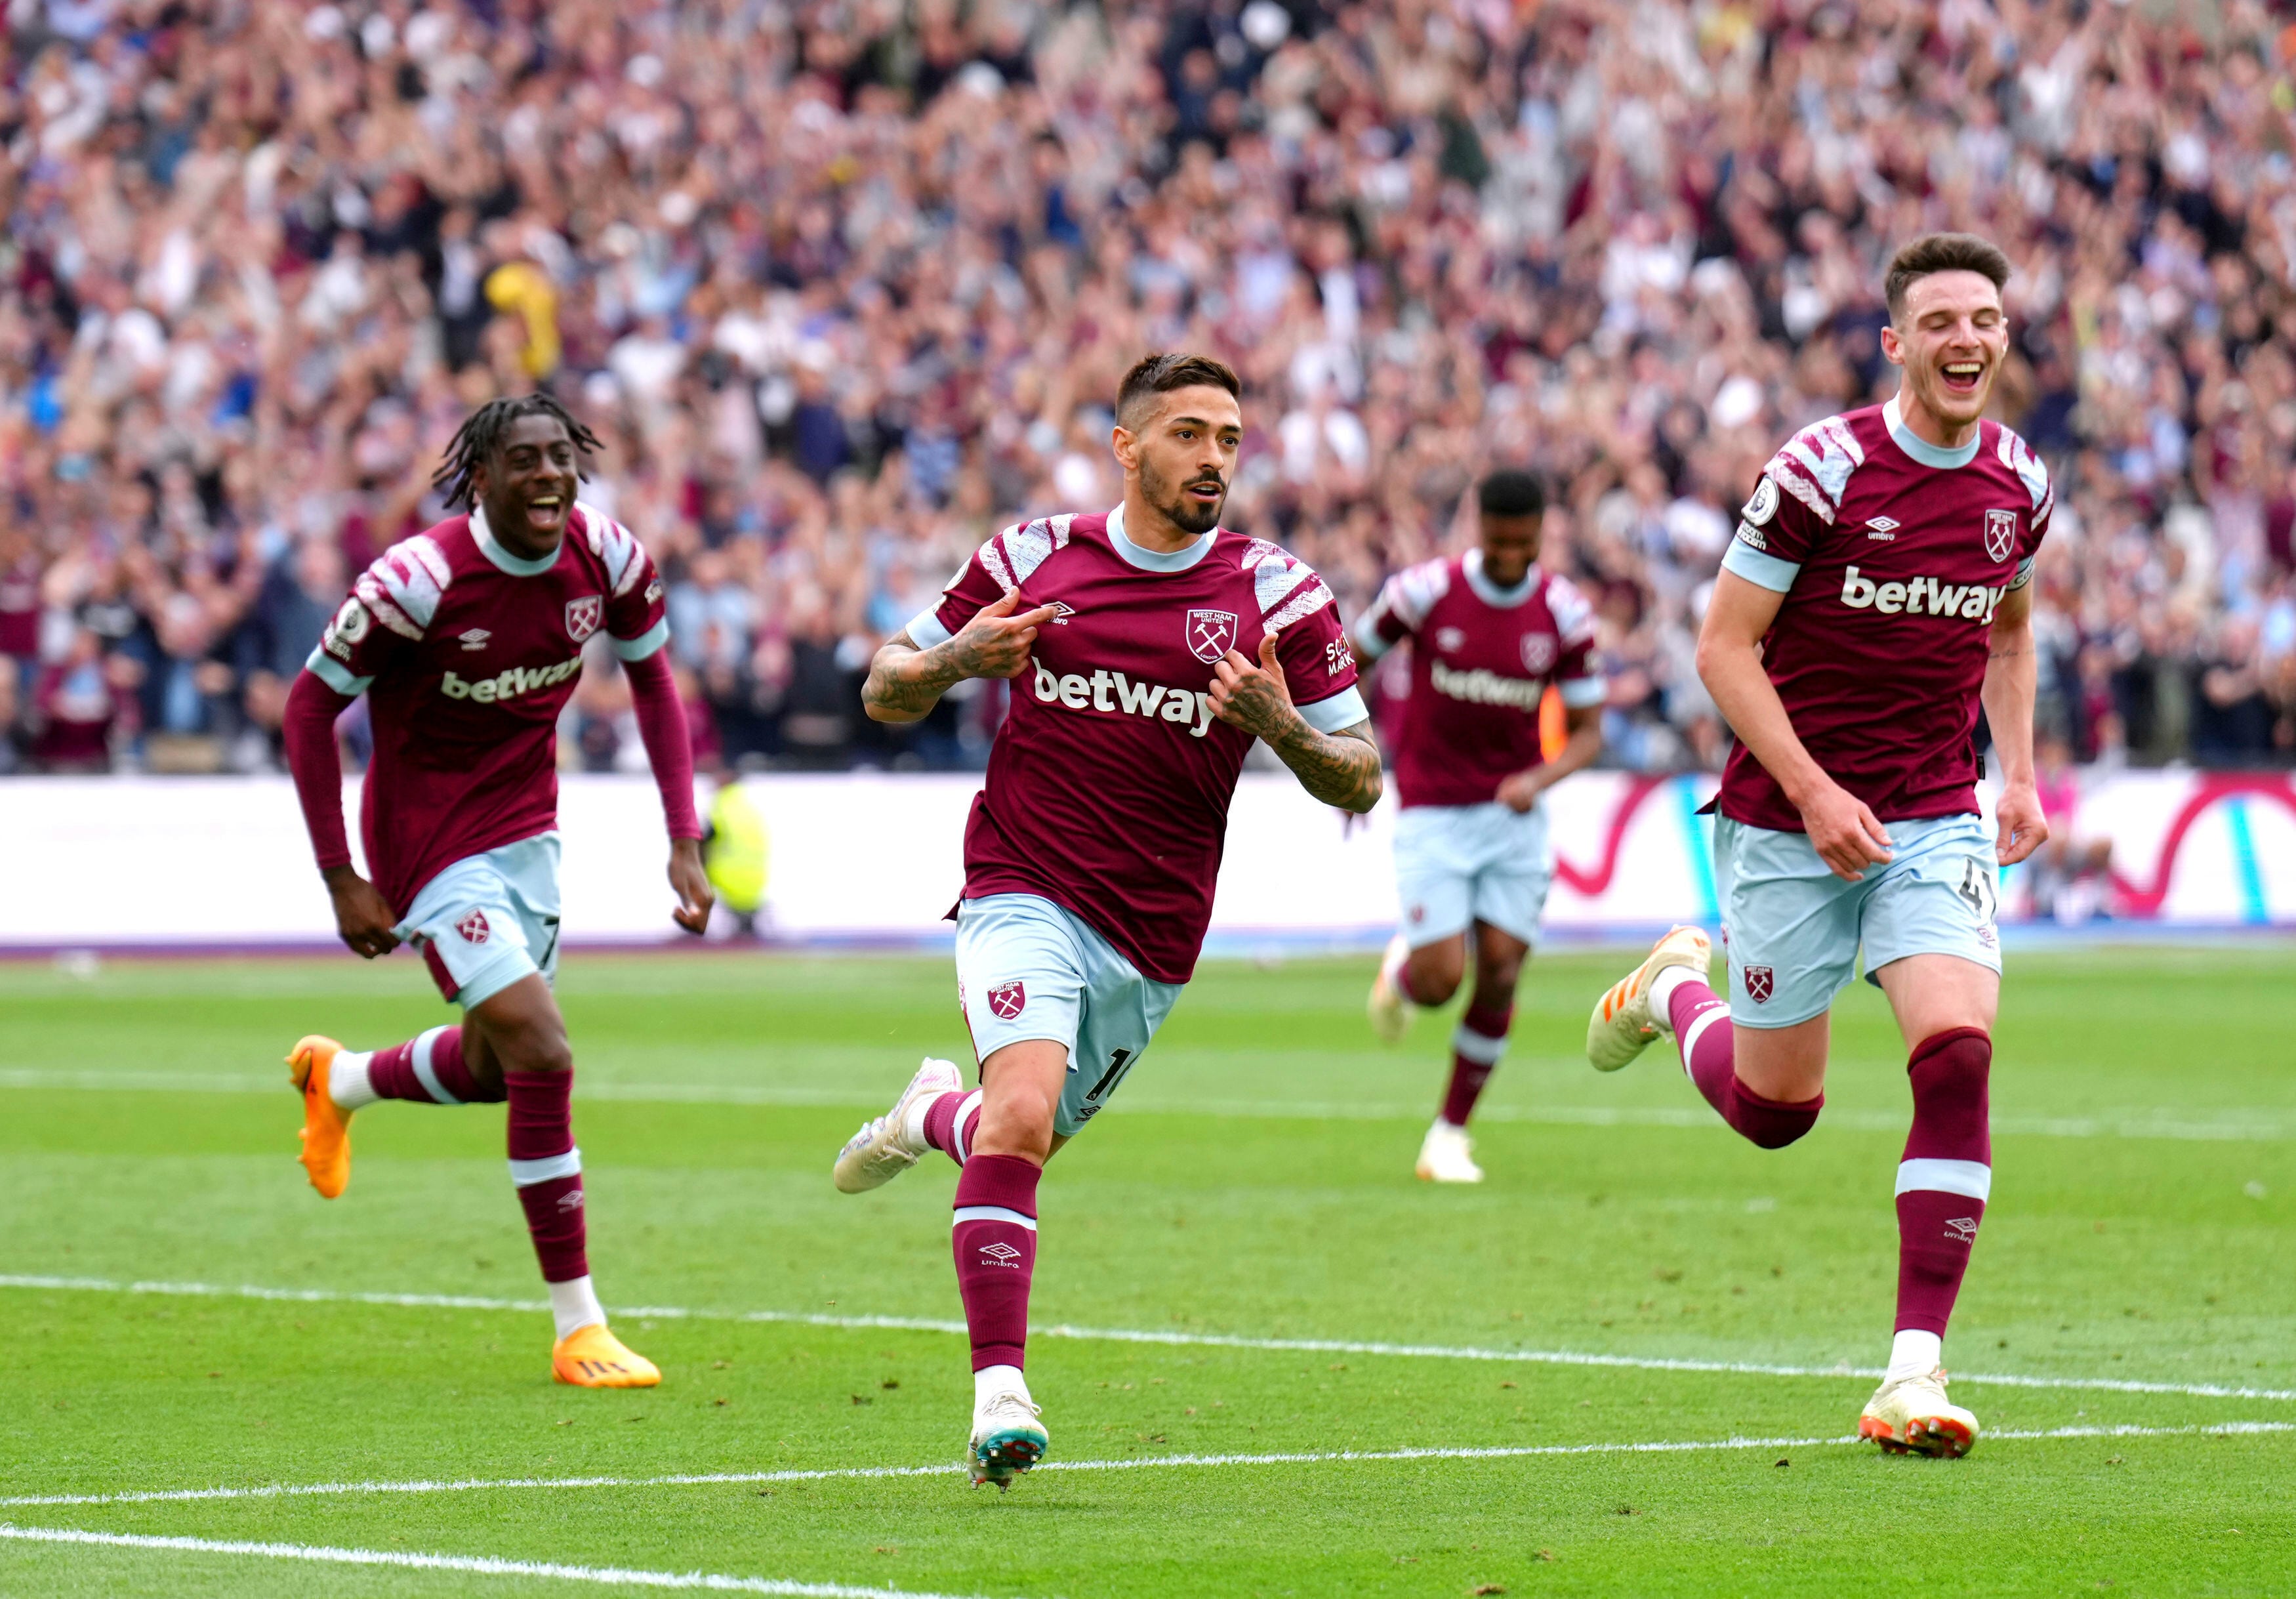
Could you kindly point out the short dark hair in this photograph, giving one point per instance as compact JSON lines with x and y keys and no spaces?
{"x":1941,"y":253}
{"x":1511,"y":491}
{"x":1162,"y":373}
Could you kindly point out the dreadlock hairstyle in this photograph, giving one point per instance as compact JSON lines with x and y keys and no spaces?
{"x":478,"y":437}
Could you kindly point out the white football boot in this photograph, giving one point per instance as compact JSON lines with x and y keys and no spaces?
{"x":1388,"y":1010}
{"x":1447,"y":1155}
{"x":889,"y":1145}
{"x":1007,"y":1438}
{"x":1624,"y":1022}
{"x":1913,"y":1416}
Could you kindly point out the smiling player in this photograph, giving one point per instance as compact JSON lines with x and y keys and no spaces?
{"x":1874,"y":598}
{"x":467,"y":641}
{"x":1148,"y":647}
{"x":1489,"y":631}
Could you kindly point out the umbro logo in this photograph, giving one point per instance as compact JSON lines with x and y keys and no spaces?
{"x":1000,"y":1253}
{"x":569,"y":1201}
{"x":1885,"y":528}
{"x":1962,"y":1229}
{"x":1062,"y":611}
{"x":475,"y":639}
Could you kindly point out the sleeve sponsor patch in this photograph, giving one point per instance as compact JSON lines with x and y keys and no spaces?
{"x":1750,"y":535}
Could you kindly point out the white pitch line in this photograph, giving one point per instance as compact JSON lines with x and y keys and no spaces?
{"x":282,"y":1490}
{"x":478,"y":1564}
{"x":2147,"y":1124}
{"x":1215,"y":1340}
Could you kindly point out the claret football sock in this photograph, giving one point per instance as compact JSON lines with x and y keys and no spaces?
{"x":950,"y":1121}
{"x":1946,"y":1175}
{"x":427,"y":1070}
{"x":1476,"y":1046}
{"x":994,"y":1239}
{"x":546,"y":1169}
{"x":1701,"y":1027}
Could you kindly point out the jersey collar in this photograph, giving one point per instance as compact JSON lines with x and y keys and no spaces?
{"x":1490,"y":592}
{"x":515,"y":565}
{"x":1921,"y":449}
{"x":1155,"y":560}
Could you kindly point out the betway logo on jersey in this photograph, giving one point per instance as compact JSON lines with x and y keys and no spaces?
{"x":1921,"y":595}
{"x":1113,"y":690}
{"x":1483,"y":686}
{"x":510,"y":685}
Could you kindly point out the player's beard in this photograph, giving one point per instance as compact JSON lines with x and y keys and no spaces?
{"x":1189,"y":514}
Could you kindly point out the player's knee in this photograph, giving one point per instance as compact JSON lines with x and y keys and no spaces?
{"x":536,"y":1045}
{"x":1436,"y":974}
{"x":1953,"y":1064}
{"x":1019,"y":1125}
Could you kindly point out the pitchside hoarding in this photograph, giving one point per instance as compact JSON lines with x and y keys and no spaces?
{"x":124,"y":862}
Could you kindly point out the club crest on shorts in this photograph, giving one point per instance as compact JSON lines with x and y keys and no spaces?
{"x":2000,"y":533}
{"x":1008,"y":1000}
{"x":1210,"y":634}
{"x":1759,"y":982}
{"x":473,"y":927}
{"x":1538,"y":649}
{"x":584,"y":615}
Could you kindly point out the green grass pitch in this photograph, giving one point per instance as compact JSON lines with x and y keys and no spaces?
{"x":1253,"y":1181}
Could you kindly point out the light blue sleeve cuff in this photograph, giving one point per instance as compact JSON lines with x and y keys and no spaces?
{"x":331,"y":672}
{"x":1763,"y":571}
{"x":925,"y":631}
{"x":1579,"y":692}
{"x":644,"y":644}
{"x":1362,"y":633}
{"x":1342,"y":709}
{"x":2024,"y":573}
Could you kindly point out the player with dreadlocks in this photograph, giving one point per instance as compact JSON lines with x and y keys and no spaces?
{"x":467,"y":640}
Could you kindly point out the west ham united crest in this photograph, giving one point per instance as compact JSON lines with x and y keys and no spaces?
{"x":473,"y":927}
{"x":2000,"y":533}
{"x":1538,"y":649}
{"x":584,"y":615}
{"x":1008,"y":1000}
{"x":1211,"y":634}
{"x":1758,"y":984}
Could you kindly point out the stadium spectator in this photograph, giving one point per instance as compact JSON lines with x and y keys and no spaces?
{"x":844,"y":287}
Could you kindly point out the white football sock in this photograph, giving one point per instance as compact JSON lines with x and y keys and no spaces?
{"x":347,"y":1080}
{"x":574,"y":1305}
{"x":990,"y":1381}
{"x":913,"y":1122}
{"x":1661,"y":991}
{"x":1914,"y":1353}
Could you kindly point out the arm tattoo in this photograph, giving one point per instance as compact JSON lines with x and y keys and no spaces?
{"x":1339,"y":768}
{"x":907,"y":680}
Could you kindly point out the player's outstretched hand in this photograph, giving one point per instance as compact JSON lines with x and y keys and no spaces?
{"x":691,"y":879}
{"x":362,"y":915}
{"x":1254,"y":698}
{"x":995,"y":644}
{"x":1846,"y":835}
{"x":2023,"y":826}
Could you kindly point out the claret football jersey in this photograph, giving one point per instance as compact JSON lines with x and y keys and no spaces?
{"x":1109,"y":782}
{"x":466,"y":654}
{"x":1481,"y":657}
{"x":1893,"y":553}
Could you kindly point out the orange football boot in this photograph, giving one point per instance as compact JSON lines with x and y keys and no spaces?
{"x":326,"y":1132}
{"x":592,"y":1356}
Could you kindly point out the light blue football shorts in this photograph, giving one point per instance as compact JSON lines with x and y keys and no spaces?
{"x":1793,"y":929}
{"x":489,"y":920}
{"x":1455,"y":865}
{"x":1027,"y":969}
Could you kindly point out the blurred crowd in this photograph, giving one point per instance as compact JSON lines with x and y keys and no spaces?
{"x":845,"y":285}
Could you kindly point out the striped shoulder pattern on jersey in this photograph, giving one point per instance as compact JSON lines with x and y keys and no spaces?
{"x":1574,"y":617}
{"x":1815,"y":464}
{"x":1285,"y":586}
{"x":1016,"y":553}
{"x":614,"y":545}
{"x":2018,"y":456}
{"x":402,"y":588}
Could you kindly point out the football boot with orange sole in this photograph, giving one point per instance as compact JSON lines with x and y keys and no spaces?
{"x":326,"y":1125}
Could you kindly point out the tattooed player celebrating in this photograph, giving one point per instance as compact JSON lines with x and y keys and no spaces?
{"x":467,"y":641}
{"x":1148,"y":647}
{"x":1874,"y":597}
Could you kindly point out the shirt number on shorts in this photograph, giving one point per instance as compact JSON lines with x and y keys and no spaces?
{"x":1977,"y":887}
{"x":1117,"y":1061}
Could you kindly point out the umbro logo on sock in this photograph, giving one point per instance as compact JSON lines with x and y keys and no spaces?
{"x":999,"y":1253}
{"x":1962,"y":1229}
{"x":571,"y":1199}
